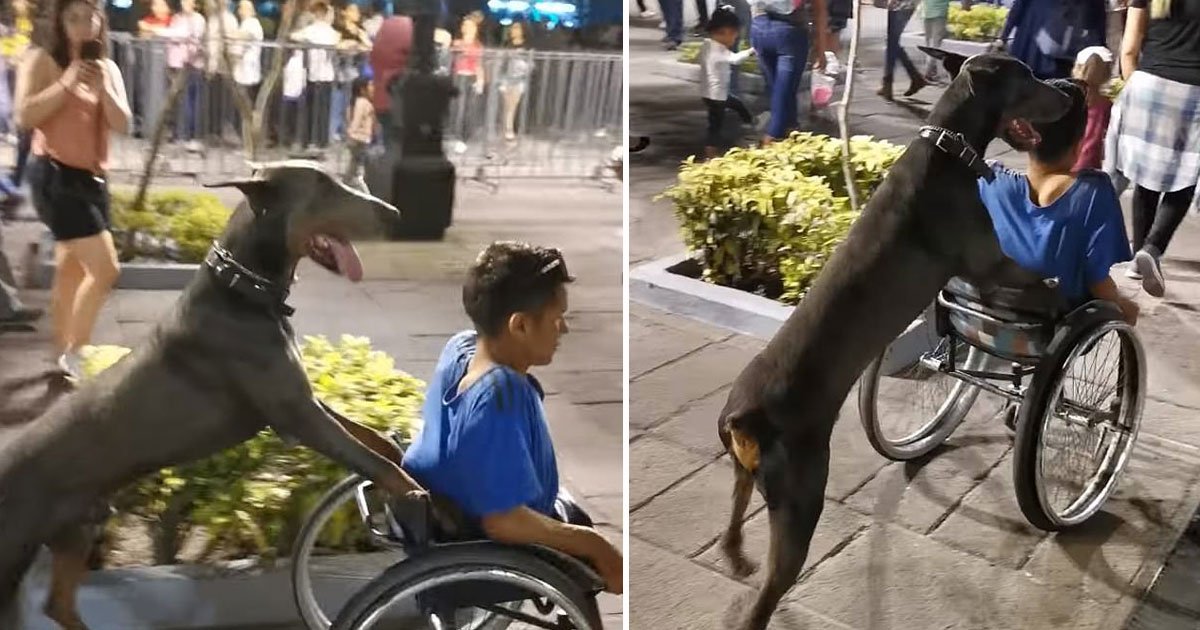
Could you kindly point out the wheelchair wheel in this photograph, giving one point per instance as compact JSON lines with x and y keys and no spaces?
{"x":908,"y":414}
{"x":1078,"y":424}
{"x":446,"y":588}
{"x":337,"y":515}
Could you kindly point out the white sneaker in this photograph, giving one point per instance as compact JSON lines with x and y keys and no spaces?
{"x":194,"y":146}
{"x":71,"y":365}
{"x":460,"y":147}
{"x":832,"y":66}
{"x":649,"y":15}
{"x":1131,"y":272}
{"x":1152,"y":278}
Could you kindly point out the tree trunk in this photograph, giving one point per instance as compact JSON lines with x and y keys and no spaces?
{"x":844,"y":109}
{"x":160,"y":135}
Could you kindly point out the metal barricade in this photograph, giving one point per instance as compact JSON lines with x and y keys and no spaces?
{"x":519,"y":113}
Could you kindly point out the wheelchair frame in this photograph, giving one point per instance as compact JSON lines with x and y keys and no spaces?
{"x":1034,"y":382}
{"x":492,"y":571}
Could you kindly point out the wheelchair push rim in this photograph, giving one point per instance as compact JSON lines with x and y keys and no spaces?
{"x":935,"y":401}
{"x":1082,"y":427}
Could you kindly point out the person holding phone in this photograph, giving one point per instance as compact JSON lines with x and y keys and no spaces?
{"x":72,"y":96}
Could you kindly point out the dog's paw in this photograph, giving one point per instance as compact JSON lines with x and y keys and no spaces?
{"x":742,"y":566}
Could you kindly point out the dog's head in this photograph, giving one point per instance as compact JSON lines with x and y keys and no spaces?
{"x":295,"y":209}
{"x":1018,"y":99}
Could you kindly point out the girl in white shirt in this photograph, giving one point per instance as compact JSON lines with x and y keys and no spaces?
{"x":716,"y":68}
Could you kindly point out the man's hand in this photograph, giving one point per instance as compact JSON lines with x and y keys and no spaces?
{"x":611,"y":567}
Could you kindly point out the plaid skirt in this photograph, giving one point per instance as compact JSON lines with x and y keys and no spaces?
{"x":1153,"y":138}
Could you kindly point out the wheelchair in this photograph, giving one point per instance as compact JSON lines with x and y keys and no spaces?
{"x":431,"y":578}
{"x":1075,"y":380}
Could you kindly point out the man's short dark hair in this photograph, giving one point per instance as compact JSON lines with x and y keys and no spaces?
{"x":1060,"y":136}
{"x":510,"y":277}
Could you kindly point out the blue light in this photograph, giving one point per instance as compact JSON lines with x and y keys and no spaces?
{"x":554,"y":8}
{"x":506,"y":22}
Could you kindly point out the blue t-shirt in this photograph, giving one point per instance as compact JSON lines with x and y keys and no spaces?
{"x":1076,"y":239}
{"x":488,"y":449}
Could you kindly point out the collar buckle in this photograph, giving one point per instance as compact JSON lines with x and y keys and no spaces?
{"x":236,"y":277}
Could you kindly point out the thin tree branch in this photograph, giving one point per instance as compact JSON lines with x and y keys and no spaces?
{"x":844,"y":109}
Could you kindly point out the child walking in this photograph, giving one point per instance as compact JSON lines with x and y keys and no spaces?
{"x":1094,"y":66}
{"x":360,"y":128}
{"x":716,"y":68}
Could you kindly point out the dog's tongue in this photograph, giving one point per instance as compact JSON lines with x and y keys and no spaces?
{"x":348,"y":262}
{"x":1022,"y":130}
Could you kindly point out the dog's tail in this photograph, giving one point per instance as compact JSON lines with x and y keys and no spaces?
{"x":737,"y":435}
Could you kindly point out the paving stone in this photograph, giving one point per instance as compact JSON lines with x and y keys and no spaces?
{"x":667,"y":592}
{"x":1171,"y":421}
{"x":988,"y":522}
{"x":655,"y":340}
{"x":655,"y":464}
{"x":890,"y":577}
{"x":852,"y":461}
{"x":659,"y":393}
{"x":918,"y":494}
{"x":696,"y":425}
{"x":839,"y":524}
{"x":692,"y":514}
{"x":1118,"y":551}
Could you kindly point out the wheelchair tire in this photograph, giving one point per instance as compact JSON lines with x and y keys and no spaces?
{"x":940,"y":424}
{"x":477,"y":562}
{"x":342,"y":494}
{"x":1046,"y":399}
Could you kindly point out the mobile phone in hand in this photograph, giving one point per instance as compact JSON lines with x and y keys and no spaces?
{"x":91,"y":50}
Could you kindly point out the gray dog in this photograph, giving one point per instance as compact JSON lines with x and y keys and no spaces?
{"x":923,"y":226}
{"x":221,"y":367}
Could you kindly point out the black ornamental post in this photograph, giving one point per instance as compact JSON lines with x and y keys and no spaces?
{"x":422,"y":178}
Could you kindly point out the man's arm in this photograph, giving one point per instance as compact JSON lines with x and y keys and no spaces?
{"x":523,"y":526}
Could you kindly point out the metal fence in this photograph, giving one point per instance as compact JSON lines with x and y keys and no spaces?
{"x":533,"y":113}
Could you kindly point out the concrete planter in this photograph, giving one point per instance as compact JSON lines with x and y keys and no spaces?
{"x":153,"y":276}
{"x":913,"y":39}
{"x":672,"y":284}
{"x":181,"y":597}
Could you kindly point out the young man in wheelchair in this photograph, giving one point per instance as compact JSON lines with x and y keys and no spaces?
{"x":1058,"y":223}
{"x":485,"y":444}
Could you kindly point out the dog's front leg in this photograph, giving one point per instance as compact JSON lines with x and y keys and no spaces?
{"x":793,"y":511}
{"x":317,"y":429}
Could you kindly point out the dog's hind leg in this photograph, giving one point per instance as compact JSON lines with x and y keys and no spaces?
{"x":11,"y":576}
{"x":731,"y":542}
{"x":70,"y":550}
{"x":794,"y":507}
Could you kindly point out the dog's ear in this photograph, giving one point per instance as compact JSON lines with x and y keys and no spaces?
{"x":743,"y":442}
{"x":952,"y":62}
{"x":254,"y":188}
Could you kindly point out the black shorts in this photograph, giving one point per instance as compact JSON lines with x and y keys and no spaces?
{"x":72,"y":202}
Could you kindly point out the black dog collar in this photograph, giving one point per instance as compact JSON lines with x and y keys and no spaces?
{"x":234,"y":276}
{"x":954,"y":144}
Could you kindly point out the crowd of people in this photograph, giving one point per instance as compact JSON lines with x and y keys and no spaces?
{"x":64,"y":96}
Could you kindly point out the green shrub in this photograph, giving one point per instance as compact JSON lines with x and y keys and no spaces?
{"x":173,"y":225}
{"x":980,"y":23}
{"x":689,"y":52}
{"x":765,"y":220}
{"x":253,"y":498}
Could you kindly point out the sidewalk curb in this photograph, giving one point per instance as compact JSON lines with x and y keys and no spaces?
{"x":162,"y":276}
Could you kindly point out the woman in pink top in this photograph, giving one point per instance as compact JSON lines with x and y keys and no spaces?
{"x":468,"y":78}
{"x":72,"y":97}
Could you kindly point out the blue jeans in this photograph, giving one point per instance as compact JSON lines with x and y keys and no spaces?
{"x":337,"y":110}
{"x":782,"y":49}
{"x":187,"y":117}
{"x":673,"y":15}
{"x":896,"y":22}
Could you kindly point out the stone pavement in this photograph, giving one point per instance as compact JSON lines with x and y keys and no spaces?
{"x":410,"y":303}
{"x":938,"y":543}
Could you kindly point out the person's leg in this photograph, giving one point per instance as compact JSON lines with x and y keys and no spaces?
{"x":702,"y":12}
{"x":11,"y":308}
{"x":789,"y":68}
{"x":673,"y":16}
{"x":98,"y":258}
{"x":324,"y":107}
{"x":337,"y":111}
{"x":935,"y":32}
{"x":716,"y":118}
{"x":1172,"y":209}
{"x":512,"y":99}
{"x":736,"y":104}
{"x":68,"y":276}
{"x":1145,"y":206}
{"x":892,"y":44}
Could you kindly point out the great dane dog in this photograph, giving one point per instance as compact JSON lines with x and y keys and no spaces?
{"x":924,"y":225}
{"x":221,"y":367}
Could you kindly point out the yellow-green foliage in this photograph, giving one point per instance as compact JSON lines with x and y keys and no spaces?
{"x":981,"y":23}
{"x":191,"y":219}
{"x":765,"y":220}
{"x":252,"y":498}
